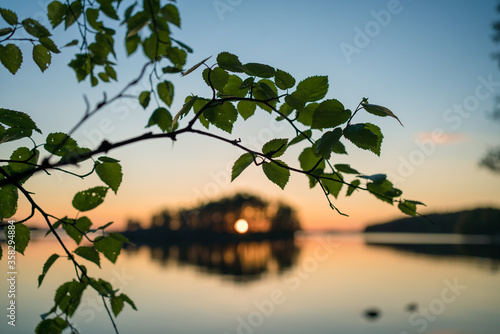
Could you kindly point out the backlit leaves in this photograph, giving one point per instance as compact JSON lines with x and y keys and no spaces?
{"x":277,"y":174}
{"x":89,"y":199}
{"x":109,"y":173}
{"x":380,"y":111}
{"x":9,"y":16}
{"x":283,"y":80}
{"x":327,"y":142}
{"x":166,"y":92}
{"x":8,"y":200}
{"x":366,"y":136}
{"x":230,"y":62}
{"x":275,"y":148}
{"x":89,"y":253}
{"x":42,"y":56}
{"x":313,"y":88}
{"x":76,"y":228}
{"x":241,"y":164}
{"x":330,"y":114}
{"x":110,"y":245}
{"x":50,"y":261}
{"x":11,"y":57}
{"x":162,"y":118}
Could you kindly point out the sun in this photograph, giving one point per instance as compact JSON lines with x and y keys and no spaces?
{"x":241,"y":226}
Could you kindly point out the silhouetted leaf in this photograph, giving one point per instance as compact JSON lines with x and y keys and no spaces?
{"x":330,"y":114}
{"x":8,"y":200}
{"x":60,"y":144}
{"x":344,"y":168}
{"x":110,"y":173}
{"x":380,"y":111}
{"x":259,"y":70}
{"x":240,"y":165}
{"x":326,"y":143}
{"x":110,"y":246}
{"x":27,"y":161}
{"x":306,"y":134}
{"x":275,"y":147}
{"x":89,"y":253}
{"x":89,"y":199}
{"x":246,"y":109}
{"x":222,"y":116}
{"x":116,"y":304}
{"x":353,"y":186}
{"x":166,"y":92}
{"x":9,"y":16}
{"x":34,"y":28}
{"x":76,"y":228}
{"x":11,"y":57}
{"x":333,"y":183}
{"x":42,"y":57}
{"x":276,"y":174}
{"x":51,"y":326}
{"x":218,"y":78}
{"x":50,"y":261}
{"x":230,"y":62}
{"x":162,"y":118}
{"x":366,"y":136}
{"x":55,"y":12}
{"x":313,"y":88}
{"x":283,"y":80}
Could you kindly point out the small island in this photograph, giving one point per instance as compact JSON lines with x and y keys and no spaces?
{"x":237,"y":218}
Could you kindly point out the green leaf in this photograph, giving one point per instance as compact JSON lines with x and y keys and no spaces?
{"x":17,"y":119}
{"x":128,"y":301}
{"x":166,"y":92}
{"x":110,"y":72}
{"x":408,"y":208}
{"x":51,"y":326}
{"x":330,"y":114}
{"x":108,"y":159}
{"x":72,"y":43}
{"x":365,"y":136}
{"x":73,"y":13}
{"x":89,"y":199}
{"x":308,"y":160}
{"x":76,"y":228}
{"x":313,"y":88}
{"x":49,"y":44}
{"x":240,"y":165}
{"x":131,"y":43}
{"x":277,"y":174}
{"x":35,"y":29}
{"x":305,"y":115}
{"x":305,"y":135}
{"x":326,"y":143}
{"x":246,"y":109}
{"x":21,"y":236}
{"x":108,"y":9}
{"x":177,"y":56}
{"x":8,"y":200}
{"x":110,"y":173}
{"x":136,"y":23}
{"x":376,"y":178}
{"x":339,"y":148}
{"x":77,"y":155}
{"x":230,"y":62}
{"x":275,"y":148}
{"x":110,"y":246}
{"x":296,"y":100}
{"x":60,"y":144}
{"x":380,"y":111}
{"x":55,"y":12}
{"x":11,"y":57}
{"x":41,"y":56}
{"x":247,"y":83}
{"x":283,"y":80}
{"x":144,"y":99}
{"x":353,"y":186}
{"x":69,"y":295}
{"x":384,"y":191}
{"x":195,"y":66}
{"x":162,"y":118}
{"x":50,"y":261}
{"x":216,"y":77}
{"x":117,"y":305}
{"x":28,"y":159}
{"x":222,"y":116}
{"x":89,"y":253}
{"x":259,"y":70}
{"x":233,"y":87}
{"x":189,"y":103}
{"x":332,"y":183}
{"x":5,"y":31}
{"x":344,"y":168}
{"x":171,"y":14}
{"x":9,"y":16}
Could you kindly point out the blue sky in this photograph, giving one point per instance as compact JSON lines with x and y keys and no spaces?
{"x":419,"y":58}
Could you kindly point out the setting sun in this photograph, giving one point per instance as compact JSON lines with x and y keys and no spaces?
{"x":241,"y":226}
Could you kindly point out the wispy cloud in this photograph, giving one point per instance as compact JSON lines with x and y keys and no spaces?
{"x":442,"y":138}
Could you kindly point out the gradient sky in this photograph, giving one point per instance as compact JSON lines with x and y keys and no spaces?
{"x":428,"y":61}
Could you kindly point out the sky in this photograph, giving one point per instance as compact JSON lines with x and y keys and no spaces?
{"x":427,"y":61}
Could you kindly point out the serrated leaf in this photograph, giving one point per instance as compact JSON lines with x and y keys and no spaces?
{"x":275,"y":148}
{"x":171,"y":14}
{"x":8,"y":200}
{"x":60,"y":144}
{"x":5,"y":31}
{"x":277,"y":174}
{"x":117,"y":305}
{"x":308,"y":160}
{"x":27,"y":160}
{"x":69,"y":295}
{"x":17,"y":119}
{"x":11,"y":57}
{"x":49,"y":44}
{"x":89,"y":253}
{"x":259,"y":70}
{"x":330,"y":114}
{"x":162,"y":118}
{"x":283,"y":80}
{"x":353,"y":186}
{"x":35,"y":29}
{"x":50,"y":261}
{"x":76,"y":228}
{"x":333,"y":183}
{"x":247,"y":83}
{"x":246,"y":109}
{"x":296,"y":101}
{"x":344,"y":168}
{"x":41,"y":56}
{"x":9,"y":16}
{"x":144,"y":99}
{"x":313,"y":88}
{"x":89,"y":199}
{"x":216,"y":77}
{"x":230,"y":62}
{"x":365,"y":136}
{"x":326,"y":143}
{"x":222,"y":116}
{"x":135,"y":24}
{"x":110,"y":173}
{"x":380,"y":111}
{"x":240,"y":165}
{"x":233,"y":87}
{"x":55,"y":12}
{"x":166,"y":92}
{"x":21,"y":236}
{"x":109,"y":246}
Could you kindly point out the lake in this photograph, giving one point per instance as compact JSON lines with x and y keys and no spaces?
{"x":321,"y":283}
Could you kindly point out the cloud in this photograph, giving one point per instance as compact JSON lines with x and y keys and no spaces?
{"x":441,"y":138}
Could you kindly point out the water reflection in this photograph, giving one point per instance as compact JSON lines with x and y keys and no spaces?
{"x":243,"y":261}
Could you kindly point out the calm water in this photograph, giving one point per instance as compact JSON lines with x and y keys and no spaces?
{"x":315,"y":284}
